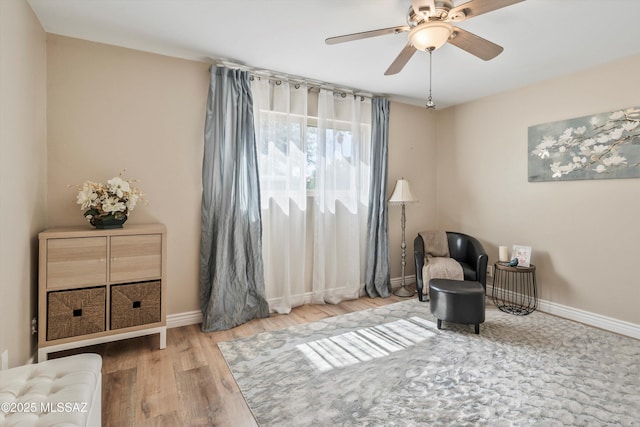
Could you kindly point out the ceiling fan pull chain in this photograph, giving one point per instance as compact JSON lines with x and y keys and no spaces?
{"x":430,"y":104}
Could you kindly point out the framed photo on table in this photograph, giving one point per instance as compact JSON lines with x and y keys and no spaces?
{"x":523,"y":254}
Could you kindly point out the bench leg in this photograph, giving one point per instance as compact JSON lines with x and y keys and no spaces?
{"x":477,"y":328}
{"x":439,"y":324}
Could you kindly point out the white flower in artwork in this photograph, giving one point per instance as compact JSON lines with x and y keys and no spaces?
{"x":566,"y":136}
{"x":559,"y":170}
{"x":614,"y":160}
{"x":629,"y":126}
{"x":598,"y":149}
{"x":600,"y":169}
{"x":585,"y":151}
{"x":555,"y":168}
{"x":615,"y":134}
{"x":594,"y":121}
{"x":581,"y":130}
{"x":542,"y":149}
{"x":616,"y":115}
{"x":547,"y":142}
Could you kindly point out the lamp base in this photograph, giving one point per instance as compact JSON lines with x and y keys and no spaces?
{"x":404,"y":292}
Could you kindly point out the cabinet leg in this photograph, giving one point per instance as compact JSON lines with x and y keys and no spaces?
{"x":163,"y":338}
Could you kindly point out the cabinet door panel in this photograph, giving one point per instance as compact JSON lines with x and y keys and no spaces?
{"x":80,"y":261}
{"x":137,"y":257}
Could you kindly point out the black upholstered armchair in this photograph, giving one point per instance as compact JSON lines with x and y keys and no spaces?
{"x":467,"y":250}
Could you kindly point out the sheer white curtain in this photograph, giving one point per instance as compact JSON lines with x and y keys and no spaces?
{"x":341,"y":196}
{"x":314,"y":192}
{"x":280,"y":112}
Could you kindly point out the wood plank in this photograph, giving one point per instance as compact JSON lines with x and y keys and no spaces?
{"x":199,"y":402}
{"x":125,"y":354}
{"x":186,"y":348}
{"x":118,"y":394}
{"x":156,"y":394}
{"x":170,"y":419}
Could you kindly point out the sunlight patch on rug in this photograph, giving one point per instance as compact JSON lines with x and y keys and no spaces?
{"x":366,"y":344}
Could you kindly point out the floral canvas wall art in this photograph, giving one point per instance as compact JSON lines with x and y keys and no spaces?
{"x":605,"y":145}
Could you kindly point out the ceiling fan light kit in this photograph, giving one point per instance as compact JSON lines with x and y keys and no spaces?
{"x":430,"y":35}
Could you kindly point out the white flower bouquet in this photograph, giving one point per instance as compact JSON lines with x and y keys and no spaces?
{"x":109,"y":202}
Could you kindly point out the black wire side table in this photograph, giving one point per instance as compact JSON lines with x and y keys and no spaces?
{"x":514,"y":289}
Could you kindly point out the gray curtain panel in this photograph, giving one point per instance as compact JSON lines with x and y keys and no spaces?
{"x":231,"y":270}
{"x":377,"y":272}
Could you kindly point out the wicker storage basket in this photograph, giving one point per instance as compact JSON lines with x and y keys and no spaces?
{"x":76,"y":312}
{"x":135,"y":304}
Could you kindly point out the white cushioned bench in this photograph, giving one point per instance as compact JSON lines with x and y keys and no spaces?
{"x":58,"y":392}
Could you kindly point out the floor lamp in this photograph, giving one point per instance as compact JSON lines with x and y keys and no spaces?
{"x":401,"y":196}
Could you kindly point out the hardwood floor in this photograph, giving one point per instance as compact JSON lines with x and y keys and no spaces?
{"x":189,"y":383}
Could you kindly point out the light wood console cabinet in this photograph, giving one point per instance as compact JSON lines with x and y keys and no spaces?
{"x":97,"y":286}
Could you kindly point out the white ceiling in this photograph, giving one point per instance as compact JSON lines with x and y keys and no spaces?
{"x":542,"y":39}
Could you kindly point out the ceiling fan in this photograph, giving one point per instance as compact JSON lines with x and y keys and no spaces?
{"x":429,"y":24}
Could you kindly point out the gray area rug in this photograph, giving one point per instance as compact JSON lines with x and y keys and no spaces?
{"x":391,"y":366}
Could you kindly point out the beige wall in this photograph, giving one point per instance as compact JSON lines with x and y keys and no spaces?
{"x":22,"y":172}
{"x":584,"y":234}
{"x":111,"y":109}
{"x":412,"y":155}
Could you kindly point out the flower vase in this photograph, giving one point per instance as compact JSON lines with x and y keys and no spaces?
{"x":108,"y":221}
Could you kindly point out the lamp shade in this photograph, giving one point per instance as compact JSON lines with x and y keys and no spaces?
{"x":430,"y":35}
{"x":402,"y":193}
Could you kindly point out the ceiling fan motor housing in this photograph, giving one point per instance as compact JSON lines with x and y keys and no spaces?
{"x":426,"y":13}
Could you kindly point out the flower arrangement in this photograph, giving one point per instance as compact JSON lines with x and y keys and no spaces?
{"x":112,"y":201}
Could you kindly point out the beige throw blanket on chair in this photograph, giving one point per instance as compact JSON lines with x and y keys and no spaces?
{"x":437,"y":263}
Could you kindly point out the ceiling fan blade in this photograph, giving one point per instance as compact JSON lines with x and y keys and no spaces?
{"x":478,"y":7}
{"x":367,"y":34}
{"x":475,"y":45}
{"x":401,"y":60}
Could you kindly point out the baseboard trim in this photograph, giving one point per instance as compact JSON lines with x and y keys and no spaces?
{"x":184,"y":319}
{"x":610,"y":324}
{"x":195,"y":317}
{"x":592,"y":319}
{"x":396,"y":282}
